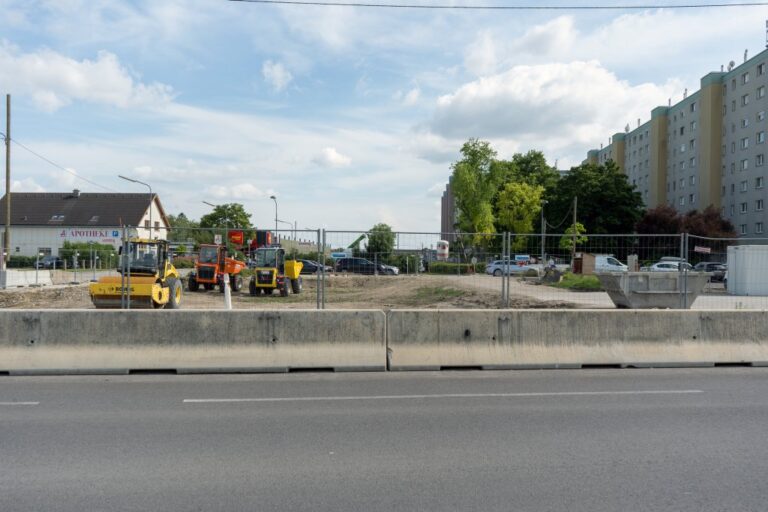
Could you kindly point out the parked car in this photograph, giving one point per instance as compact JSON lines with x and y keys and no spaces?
{"x":313,"y":267}
{"x":391,"y":270}
{"x":50,"y":262}
{"x":607,"y":263}
{"x":669,"y":266}
{"x":360,"y":266}
{"x":497,"y":268}
{"x":718,"y":270}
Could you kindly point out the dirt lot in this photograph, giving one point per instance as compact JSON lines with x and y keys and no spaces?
{"x":345,"y":292}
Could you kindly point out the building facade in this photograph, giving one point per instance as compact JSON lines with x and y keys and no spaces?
{"x":43,"y":222}
{"x":706,"y":150}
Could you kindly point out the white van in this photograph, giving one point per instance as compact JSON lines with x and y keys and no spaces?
{"x":607,"y":263}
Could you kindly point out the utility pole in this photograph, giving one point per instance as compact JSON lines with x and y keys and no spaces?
{"x":7,"y":235}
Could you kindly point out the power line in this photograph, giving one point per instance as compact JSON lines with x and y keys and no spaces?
{"x":509,"y":7}
{"x":73,"y":173}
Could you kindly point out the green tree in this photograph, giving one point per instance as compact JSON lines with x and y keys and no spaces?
{"x":607,"y":202}
{"x":567,"y":240}
{"x":223,"y":216}
{"x":532,"y":168}
{"x":381,"y":240}
{"x":474,"y":183}
{"x":518,"y":205}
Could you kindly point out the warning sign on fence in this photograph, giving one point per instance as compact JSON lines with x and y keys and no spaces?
{"x":704,"y":250}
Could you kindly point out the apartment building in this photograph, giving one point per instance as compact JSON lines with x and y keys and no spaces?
{"x":708,"y":149}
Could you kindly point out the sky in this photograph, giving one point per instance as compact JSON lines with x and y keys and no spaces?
{"x":350,"y":116}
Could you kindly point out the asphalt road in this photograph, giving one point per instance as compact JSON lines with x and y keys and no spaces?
{"x":580,"y":440}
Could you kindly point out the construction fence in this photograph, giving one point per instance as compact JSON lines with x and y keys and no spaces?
{"x":358,"y":269}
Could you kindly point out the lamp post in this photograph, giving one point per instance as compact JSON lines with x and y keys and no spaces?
{"x":151,"y":226}
{"x":275,"y":200}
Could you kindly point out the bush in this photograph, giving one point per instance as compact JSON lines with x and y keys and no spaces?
{"x":444,"y":267}
{"x":579,"y":282}
{"x":21,"y":262}
{"x":184,"y":262}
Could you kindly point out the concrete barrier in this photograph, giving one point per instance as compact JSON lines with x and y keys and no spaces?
{"x":508,"y":339}
{"x":90,"y":341}
{"x":13,"y":278}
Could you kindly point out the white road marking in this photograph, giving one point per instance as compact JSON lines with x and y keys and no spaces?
{"x":449,"y":395}
{"x":19,"y":403}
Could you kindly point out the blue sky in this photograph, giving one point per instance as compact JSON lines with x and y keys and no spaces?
{"x":350,"y":116}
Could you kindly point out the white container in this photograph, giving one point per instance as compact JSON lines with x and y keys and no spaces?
{"x":748,"y":270}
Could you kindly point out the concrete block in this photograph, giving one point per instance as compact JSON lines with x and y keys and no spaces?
{"x":65,"y":341}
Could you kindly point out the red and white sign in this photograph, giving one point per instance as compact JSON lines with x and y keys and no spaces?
{"x":236,"y":237}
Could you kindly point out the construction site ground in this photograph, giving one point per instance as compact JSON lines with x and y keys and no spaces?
{"x":343,"y":292}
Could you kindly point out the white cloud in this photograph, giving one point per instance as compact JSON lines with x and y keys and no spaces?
{"x":26,"y":185}
{"x":546,"y":101}
{"x":329,"y":157}
{"x":54,"y":80}
{"x":276,"y":75}
{"x":480,"y":56}
{"x":412,"y":97}
{"x":436,"y":189}
{"x":238,"y":191}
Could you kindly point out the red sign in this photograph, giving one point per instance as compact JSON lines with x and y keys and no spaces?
{"x":236,"y":237}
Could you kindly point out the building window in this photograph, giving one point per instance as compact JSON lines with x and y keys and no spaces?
{"x":744,"y":164}
{"x":682,"y":148}
{"x":743,"y":229}
{"x":723,"y":192}
{"x":761,"y":115}
{"x":744,"y":186}
{"x":759,"y":182}
{"x":761,"y":69}
{"x":745,"y":122}
{"x":146,"y":224}
{"x":759,"y":204}
{"x":692,"y":180}
{"x":758,"y":227}
{"x":733,"y":147}
{"x":743,"y":208}
{"x":745,"y":78}
{"x":761,"y":91}
{"x":682,"y":183}
{"x":733,"y":105}
{"x":692,"y":198}
{"x":731,"y":210}
{"x":745,"y":100}
{"x":733,"y":188}
{"x":682,"y":130}
{"x":760,"y":137}
{"x":682,"y":200}
{"x":693,"y":107}
{"x":759,"y":160}
{"x":733,"y":167}
{"x":745,"y":143}
{"x":693,"y":161}
{"x":57,"y":218}
{"x":693,"y":126}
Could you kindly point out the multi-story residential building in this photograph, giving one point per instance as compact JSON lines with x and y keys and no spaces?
{"x":708,"y":149}
{"x":448,"y":215}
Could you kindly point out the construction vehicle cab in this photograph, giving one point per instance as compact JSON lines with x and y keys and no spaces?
{"x":147,"y":279}
{"x":273,"y":272}
{"x":212,"y":266}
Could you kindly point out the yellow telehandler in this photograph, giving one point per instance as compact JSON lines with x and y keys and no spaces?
{"x":148,"y":279}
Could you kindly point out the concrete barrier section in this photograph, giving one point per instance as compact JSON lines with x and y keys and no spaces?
{"x":90,"y":341}
{"x":493,"y":339}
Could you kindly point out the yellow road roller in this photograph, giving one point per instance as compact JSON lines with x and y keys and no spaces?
{"x":148,"y":279}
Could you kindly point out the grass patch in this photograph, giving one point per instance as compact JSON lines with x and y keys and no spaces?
{"x":578,"y":283}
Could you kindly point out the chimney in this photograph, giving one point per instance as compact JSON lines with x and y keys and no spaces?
{"x":76,"y":193}
{"x":638,"y":122}
{"x":745,"y":54}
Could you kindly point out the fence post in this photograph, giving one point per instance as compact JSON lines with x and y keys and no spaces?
{"x":320,"y":271}
{"x":322,"y":294}
{"x":685,"y":273}
{"x":680,"y":271}
{"x":503,"y":266}
{"x":122,"y":271}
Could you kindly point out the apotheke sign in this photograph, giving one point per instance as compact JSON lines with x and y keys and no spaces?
{"x":103,"y":235}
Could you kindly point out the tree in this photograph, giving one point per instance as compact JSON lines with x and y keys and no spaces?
{"x":474,"y":183}
{"x":708,"y":223}
{"x":662,"y":220}
{"x":607,"y":202}
{"x":573,"y":234}
{"x":381,"y":240}
{"x":532,"y":168}
{"x":518,"y":205}
{"x":223,"y":216}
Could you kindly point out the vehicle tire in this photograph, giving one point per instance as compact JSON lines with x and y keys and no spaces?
{"x":236,"y":282}
{"x":297,"y":285}
{"x":192,"y":284}
{"x":174,"y":293}
{"x":497,"y":272}
{"x":285,"y":288}
{"x":252,"y":288}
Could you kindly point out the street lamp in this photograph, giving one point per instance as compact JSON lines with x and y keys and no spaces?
{"x":150,"y":199}
{"x":275,"y":200}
